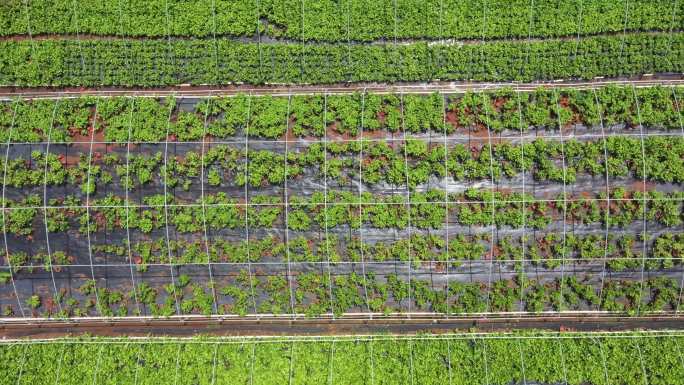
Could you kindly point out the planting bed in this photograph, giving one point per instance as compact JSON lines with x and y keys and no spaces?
{"x":501,"y":359}
{"x":329,"y":205}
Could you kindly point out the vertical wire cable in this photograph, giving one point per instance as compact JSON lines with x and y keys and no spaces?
{"x":212,"y":284}
{"x":78,"y":35}
{"x":127,"y":188}
{"x":446,"y":211}
{"x":45,"y":203}
{"x":360,"y":206}
{"x":606,"y":218}
{"x":523,"y":240}
{"x":485,"y":100}
{"x":166,"y":206}
{"x":561,"y":305}
{"x":603,"y":358}
{"x":28,"y":25}
{"x":522,"y":361}
{"x":247,"y":247}
{"x":89,"y":183}
{"x":331,"y":359}
{"x":408,"y":201}
{"x":562,"y":360}
{"x":4,"y":210}
{"x":681,"y":127}
{"x":287,"y":221}
{"x":325,"y":199}
{"x":644,"y":234}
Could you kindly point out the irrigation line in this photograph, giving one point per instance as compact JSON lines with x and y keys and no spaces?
{"x":579,"y":29}
{"x":175,"y":376}
{"x":360,"y":183}
{"x":641,"y":361}
{"x":57,"y":296}
{"x":408,"y":201}
{"x":603,"y":358}
{"x":562,"y":360}
{"x":59,"y":364}
{"x":292,"y":353}
{"x":97,"y":363}
{"x":624,"y":30}
{"x":28,"y":25}
{"x":166,"y":206}
{"x":493,"y":217}
{"x":277,"y":339}
{"x":331,"y":359}
{"x":325,"y":199}
{"x":4,"y":212}
{"x":579,"y":260}
{"x":23,"y":362}
{"x":410,"y":344}
{"x":644,"y":234}
{"x":204,"y":211}
{"x":128,"y":209}
{"x":675,"y":6}
{"x":258,"y":33}
{"x":213,"y":368}
{"x":349,"y":65}
{"x":137,"y":364}
{"x":249,"y":258}
{"x":606,"y":218}
{"x":213,"y":31}
{"x":251,"y":366}
{"x":449,"y":361}
{"x":522,"y":362}
{"x":679,"y":351}
{"x":486,"y":360}
{"x":372,"y":362}
{"x":343,"y":204}
{"x":287,"y":221}
{"x":89,"y":183}
{"x":308,"y":141}
{"x":446,"y":206}
{"x":529,"y":35}
{"x":565,"y":200}
{"x":78,"y":34}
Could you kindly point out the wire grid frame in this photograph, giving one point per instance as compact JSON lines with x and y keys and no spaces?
{"x":78,"y":33}
{"x":603,"y":357}
{"x":167,"y":144}
{"x":446,"y":206}
{"x":641,"y":360}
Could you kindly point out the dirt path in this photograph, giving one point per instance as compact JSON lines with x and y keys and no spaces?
{"x":185,"y":91}
{"x":40,"y":329}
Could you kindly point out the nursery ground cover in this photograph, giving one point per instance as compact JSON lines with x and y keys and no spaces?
{"x":540,"y":358}
{"x":555,"y":200}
